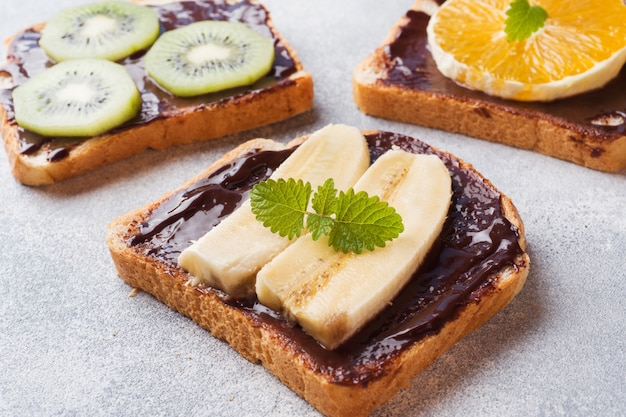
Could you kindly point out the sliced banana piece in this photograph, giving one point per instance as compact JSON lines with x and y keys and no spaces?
{"x":229,"y":256}
{"x":333,"y":294}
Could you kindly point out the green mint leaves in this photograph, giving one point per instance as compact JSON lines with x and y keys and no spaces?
{"x":523,"y":20}
{"x":352,"y":221}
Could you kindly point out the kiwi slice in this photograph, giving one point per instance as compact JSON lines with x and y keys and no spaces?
{"x":109,"y":30}
{"x":81,"y":97}
{"x":209,"y":56}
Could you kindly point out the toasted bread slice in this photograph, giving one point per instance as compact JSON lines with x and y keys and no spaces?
{"x":400,"y":81}
{"x":164,"y":120}
{"x":485,"y":266}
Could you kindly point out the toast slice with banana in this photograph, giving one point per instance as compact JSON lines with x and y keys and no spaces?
{"x":344,"y":330}
{"x":55,"y":129}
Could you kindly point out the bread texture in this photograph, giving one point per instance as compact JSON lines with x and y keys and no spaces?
{"x":341,"y":389}
{"x":400,"y":81}
{"x":198,"y":119}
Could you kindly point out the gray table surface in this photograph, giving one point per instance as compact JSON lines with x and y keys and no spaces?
{"x":72,"y":342}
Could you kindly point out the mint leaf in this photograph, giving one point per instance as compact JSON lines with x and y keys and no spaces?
{"x":281,"y":205}
{"x":324,"y":203}
{"x":363,"y":222}
{"x":325,"y":199}
{"x":319,"y":225}
{"x":352,"y":221}
{"x":523,"y":20}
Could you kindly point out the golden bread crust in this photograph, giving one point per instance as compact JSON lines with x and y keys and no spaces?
{"x":478,"y":118}
{"x":284,"y":100}
{"x":260,"y":343}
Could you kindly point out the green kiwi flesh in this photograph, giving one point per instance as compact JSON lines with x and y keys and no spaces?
{"x":77,"y":98}
{"x":209,"y":56}
{"x":109,"y":30}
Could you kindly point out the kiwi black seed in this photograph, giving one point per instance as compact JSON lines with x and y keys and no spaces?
{"x":80,"y":97}
{"x":209,"y":56}
{"x":109,"y":30}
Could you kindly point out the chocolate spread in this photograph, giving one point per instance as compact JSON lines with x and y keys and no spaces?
{"x":26,"y":59}
{"x":476,"y":242}
{"x":409,"y":65}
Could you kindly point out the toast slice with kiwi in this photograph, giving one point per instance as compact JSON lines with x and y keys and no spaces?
{"x":461,"y":284}
{"x":400,"y":81}
{"x":48,"y":150}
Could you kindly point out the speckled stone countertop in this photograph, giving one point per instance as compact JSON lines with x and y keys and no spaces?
{"x":72,"y":341}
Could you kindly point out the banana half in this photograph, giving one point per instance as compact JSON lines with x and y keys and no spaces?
{"x":333,"y":294}
{"x":229,"y":256}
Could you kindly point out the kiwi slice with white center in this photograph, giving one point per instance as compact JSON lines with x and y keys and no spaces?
{"x":109,"y":30}
{"x":209,"y":56}
{"x":81,"y":97}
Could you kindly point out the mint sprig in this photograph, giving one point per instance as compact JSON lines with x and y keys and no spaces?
{"x":523,"y":20}
{"x":353,"y":221}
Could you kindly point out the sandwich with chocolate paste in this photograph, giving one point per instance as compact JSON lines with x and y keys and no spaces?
{"x":547,"y":77}
{"x":104,"y":81}
{"x":345,"y":262}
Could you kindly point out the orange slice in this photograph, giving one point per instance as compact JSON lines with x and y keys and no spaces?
{"x":581,"y":47}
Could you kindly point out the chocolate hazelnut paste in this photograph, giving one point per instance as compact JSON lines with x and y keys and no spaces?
{"x":476,"y":242}
{"x":26,"y":59}
{"x":409,"y":65}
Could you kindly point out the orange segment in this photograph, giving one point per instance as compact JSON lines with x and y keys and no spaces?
{"x":582,"y":46}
